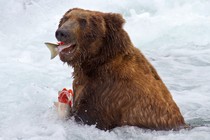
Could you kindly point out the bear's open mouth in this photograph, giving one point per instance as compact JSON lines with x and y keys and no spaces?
{"x":67,"y":48}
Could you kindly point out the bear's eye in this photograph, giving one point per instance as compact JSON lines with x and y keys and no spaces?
{"x":82,"y":23}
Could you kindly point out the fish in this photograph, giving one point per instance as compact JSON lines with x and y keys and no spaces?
{"x":53,"y":49}
{"x":65,"y":103}
{"x":62,"y":109}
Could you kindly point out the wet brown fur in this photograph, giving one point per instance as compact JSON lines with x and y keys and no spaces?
{"x":114,"y":84}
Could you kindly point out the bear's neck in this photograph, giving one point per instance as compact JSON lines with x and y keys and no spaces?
{"x":115,"y":45}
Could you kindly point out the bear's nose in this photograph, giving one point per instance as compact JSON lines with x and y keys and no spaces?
{"x":61,"y":34}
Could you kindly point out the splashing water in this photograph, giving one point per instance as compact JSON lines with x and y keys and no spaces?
{"x":173,"y":35}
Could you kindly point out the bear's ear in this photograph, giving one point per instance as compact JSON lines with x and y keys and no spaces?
{"x":114,"y":21}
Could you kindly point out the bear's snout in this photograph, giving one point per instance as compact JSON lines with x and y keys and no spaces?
{"x":62,"y":35}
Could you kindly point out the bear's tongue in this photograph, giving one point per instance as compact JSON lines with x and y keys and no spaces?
{"x":61,"y":47}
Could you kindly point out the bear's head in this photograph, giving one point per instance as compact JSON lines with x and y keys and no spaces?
{"x":93,"y":37}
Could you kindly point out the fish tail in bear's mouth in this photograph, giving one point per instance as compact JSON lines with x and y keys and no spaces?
{"x":66,"y":48}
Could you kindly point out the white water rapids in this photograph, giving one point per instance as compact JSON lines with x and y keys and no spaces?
{"x":173,"y":34}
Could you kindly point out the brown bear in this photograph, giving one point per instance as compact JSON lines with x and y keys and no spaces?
{"x":114,"y":84}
